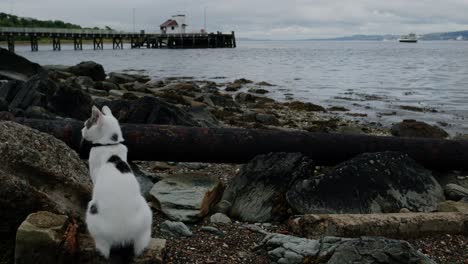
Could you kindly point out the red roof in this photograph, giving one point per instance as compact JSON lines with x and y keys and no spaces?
{"x":169,"y":23}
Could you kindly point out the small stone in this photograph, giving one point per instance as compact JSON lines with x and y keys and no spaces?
{"x":220,"y":218}
{"x":177,"y":229}
{"x":212,"y":230}
{"x":116,"y":93}
{"x":405,"y":210}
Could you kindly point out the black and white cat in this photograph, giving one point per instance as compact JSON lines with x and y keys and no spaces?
{"x":118,"y":217}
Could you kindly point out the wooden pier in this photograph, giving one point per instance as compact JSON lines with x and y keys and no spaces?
{"x":136,"y":40}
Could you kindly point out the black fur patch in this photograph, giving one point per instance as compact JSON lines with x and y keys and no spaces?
{"x":121,"y":254}
{"x":121,"y":165}
{"x":93,"y":209}
{"x":115,"y":137}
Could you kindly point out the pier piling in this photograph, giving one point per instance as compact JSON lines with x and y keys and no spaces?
{"x":34,"y":44}
{"x":56,"y":43}
{"x":11,"y":43}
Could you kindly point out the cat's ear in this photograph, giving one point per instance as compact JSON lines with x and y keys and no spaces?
{"x":96,"y":115}
{"x":106,"y":110}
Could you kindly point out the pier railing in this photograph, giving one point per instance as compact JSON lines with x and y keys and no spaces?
{"x":139,"y":39}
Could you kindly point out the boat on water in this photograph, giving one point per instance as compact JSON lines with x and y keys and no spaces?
{"x":410,"y":38}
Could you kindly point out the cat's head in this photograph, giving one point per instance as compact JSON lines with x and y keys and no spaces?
{"x":102,"y":127}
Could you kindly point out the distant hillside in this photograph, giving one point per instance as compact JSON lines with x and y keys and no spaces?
{"x":368,"y":37}
{"x":457,"y":35}
{"x":7,"y":20}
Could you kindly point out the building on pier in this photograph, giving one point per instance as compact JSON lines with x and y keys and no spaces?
{"x":176,"y":25}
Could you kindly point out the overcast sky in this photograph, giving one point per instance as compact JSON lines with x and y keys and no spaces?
{"x":273,"y":19}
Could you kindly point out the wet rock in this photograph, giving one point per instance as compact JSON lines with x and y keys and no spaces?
{"x":338,"y":109}
{"x":455,"y":192}
{"x":233,"y":87}
{"x":369,"y":183}
{"x":203,"y":116}
{"x":15,"y":67}
{"x":177,"y":229}
{"x":265,"y":84}
{"x":452,"y":206}
{"x":257,"y":193}
{"x":97,"y":92}
{"x":258,"y":91}
{"x":69,"y":101}
{"x":39,"y":237}
{"x":39,"y":172}
{"x":413,"y":128}
{"x":243,"y":81}
{"x":116,"y":93}
{"x":301,"y":106}
{"x":266,"y":119}
{"x":90,"y":69}
{"x":220,"y":218}
{"x":186,"y":197}
{"x":291,"y":250}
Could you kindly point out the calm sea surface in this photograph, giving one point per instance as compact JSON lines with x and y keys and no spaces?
{"x":367,"y":77}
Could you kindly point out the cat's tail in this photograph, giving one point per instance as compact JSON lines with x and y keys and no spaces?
{"x":121,"y":254}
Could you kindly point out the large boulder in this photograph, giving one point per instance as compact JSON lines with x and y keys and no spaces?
{"x":334,"y":250}
{"x":34,"y":92}
{"x":149,"y":110}
{"x":69,"y":101}
{"x":90,"y":69}
{"x":38,"y":172}
{"x":381,"y":182}
{"x":15,"y":67}
{"x":186,"y":197}
{"x":413,"y":128}
{"x":257,"y":193}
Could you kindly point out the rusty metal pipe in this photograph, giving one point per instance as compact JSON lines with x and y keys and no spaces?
{"x":232,"y":145}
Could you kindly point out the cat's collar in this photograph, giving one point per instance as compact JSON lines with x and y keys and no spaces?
{"x":95,"y":145}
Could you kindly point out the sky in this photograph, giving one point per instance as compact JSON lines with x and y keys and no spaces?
{"x":260,"y":19}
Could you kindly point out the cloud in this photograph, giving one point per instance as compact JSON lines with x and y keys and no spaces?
{"x":260,"y":18}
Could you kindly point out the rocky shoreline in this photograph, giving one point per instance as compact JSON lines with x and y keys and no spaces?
{"x":277,"y":208}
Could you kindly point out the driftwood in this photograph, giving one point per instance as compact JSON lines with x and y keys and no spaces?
{"x":232,"y":145}
{"x":399,"y":225}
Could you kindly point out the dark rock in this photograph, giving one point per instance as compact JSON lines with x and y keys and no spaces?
{"x":338,"y":109}
{"x":38,"y":112}
{"x":381,"y":182}
{"x":203,"y":117}
{"x":413,"y":128}
{"x":149,"y":110}
{"x":39,"y":172}
{"x":69,"y":101}
{"x":257,"y":193}
{"x":301,"y":106}
{"x":9,"y":90}
{"x":15,"y":67}
{"x":244,"y":98}
{"x":243,"y":81}
{"x":455,"y":192}
{"x":84,"y":82}
{"x":214,"y":100}
{"x":258,"y":91}
{"x":121,"y":78}
{"x":265,"y":84}
{"x":266,"y":119}
{"x":34,"y":92}
{"x":90,"y":69}
{"x":335,"y":250}
{"x":233,"y":87}
{"x":3,"y":105}
{"x":106,"y":86}
{"x":129,"y":96}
